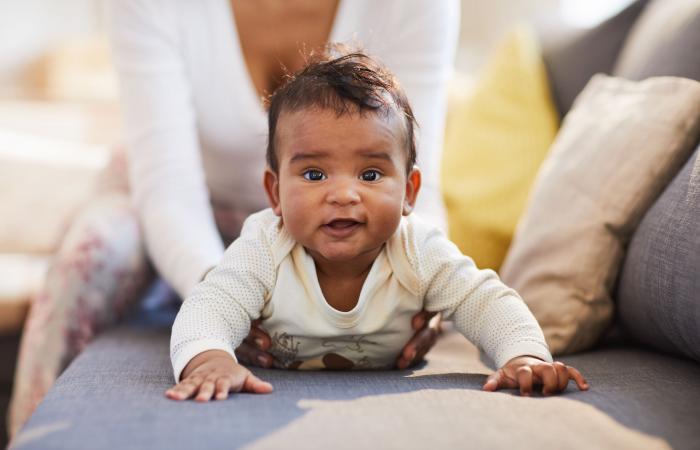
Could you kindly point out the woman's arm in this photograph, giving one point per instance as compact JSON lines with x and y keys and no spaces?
{"x":165,"y":170}
{"x":419,"y":44}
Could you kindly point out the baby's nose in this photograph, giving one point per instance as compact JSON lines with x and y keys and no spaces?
{"x":343,"y":193}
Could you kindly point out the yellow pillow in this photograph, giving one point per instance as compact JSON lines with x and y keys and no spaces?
{"x":494,"y":143}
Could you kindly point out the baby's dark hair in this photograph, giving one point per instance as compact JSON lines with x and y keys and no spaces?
{"x":350,"y":83}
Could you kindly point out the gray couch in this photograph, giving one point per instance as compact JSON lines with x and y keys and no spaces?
{"x":645,"y":384}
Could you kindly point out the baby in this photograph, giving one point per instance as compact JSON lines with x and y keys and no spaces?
{"x":338,"y":265}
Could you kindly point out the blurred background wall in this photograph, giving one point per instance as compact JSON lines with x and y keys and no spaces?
{"x":31,"y":29}
{"x":37,"y":33}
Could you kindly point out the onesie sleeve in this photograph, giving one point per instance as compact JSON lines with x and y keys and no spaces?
{"x":487,"y":312}
{"x":419,"y":46}
{"x":218,"y":313}
{"x":165,"y":170}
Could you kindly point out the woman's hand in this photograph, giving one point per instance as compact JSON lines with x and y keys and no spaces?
{"x":253,"y":350}
{"x":526,"y":372}
{"x":214,"y":374}
{"x":427,"y":326}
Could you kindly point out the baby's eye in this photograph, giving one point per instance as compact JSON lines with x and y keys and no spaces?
{"x":371,"y":175}
{"x":314,"y":175}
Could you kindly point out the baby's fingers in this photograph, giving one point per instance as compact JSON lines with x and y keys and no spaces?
{"x":562,"y":375}
{"x":206,"y":390}
{"x":524,"y":377}
{"x":244,"y":381}
{"x":256,"y":385}
{"x":547,"y":373}
{"x":185,"y":388}
{"x":578,"y":378}
{"x":492,"y":382}
{"x":223,"y":385}
{"x":498,"y":380}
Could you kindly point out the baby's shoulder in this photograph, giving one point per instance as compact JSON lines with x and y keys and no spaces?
{"x":410,"y":249}
{"x":416,"y":235}
{"x":267,"y":228}
{"x":265,"y":221}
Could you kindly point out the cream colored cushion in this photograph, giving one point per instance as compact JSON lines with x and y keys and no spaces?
{"x":43,"y":181}
{"x":22,"y":277}
{"x":617,"y":149}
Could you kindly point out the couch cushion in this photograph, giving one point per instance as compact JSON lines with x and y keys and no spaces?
{"x":573,"y":57}
{"x":112,"y":397}
{"x":665,"y":41}
{"x":618,"y":148}
{"x":494,"y":143}
{"x":43,"y":182}
{"x":22,"y":277}
{"x":658,"y":300}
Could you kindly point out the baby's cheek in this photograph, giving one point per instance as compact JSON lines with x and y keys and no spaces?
{"x":293,"y":217}
{"x":388,"y":217}
{"x":294,"y":201}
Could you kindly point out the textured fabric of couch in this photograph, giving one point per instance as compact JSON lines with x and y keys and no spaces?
{"x":112,"y":397}
{"x":659,"y":289}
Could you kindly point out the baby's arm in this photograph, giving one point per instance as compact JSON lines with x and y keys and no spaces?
{"x":493,"y":317}
{"x":216,"y":317}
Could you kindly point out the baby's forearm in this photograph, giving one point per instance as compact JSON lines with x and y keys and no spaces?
{"x":203,"y":358}
{"x":512,"y":331}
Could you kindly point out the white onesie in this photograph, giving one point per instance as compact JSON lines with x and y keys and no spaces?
{"x":266,"y":274}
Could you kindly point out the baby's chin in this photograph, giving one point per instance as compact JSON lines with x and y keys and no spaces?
{"x":341,"y":254}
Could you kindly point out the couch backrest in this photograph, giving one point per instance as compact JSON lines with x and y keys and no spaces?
{"x":664,"y":41}
{"x":572,"y":57}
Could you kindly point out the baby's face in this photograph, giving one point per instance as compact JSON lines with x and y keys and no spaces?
{"x":342,"y":185}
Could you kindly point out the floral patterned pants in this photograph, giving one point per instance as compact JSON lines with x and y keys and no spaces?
{"x":94,"y":279}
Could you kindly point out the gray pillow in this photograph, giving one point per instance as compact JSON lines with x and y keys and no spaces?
{"x":658,"y":295}
{"x":665,"y":41}
{"x":572,"y":57}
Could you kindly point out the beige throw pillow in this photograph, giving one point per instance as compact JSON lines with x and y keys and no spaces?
{"x":616,"y":150}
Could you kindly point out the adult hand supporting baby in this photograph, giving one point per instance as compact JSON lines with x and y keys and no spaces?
{"x":427,"y":326}
{"x":254,"y":349}
{"x":214,"y":373}
{"x":527,"y":371}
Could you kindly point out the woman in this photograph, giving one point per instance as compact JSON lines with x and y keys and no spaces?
{"x":193,"y":76}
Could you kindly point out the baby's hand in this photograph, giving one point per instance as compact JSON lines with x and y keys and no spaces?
{"x":526,"y":371}
{"x":215,"y":371}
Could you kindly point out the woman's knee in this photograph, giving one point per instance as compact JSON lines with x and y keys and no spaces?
{"x":101,"y":261}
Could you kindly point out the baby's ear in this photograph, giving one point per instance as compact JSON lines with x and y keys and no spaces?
{"x":413,"y":183}
{"x":272,"y":187}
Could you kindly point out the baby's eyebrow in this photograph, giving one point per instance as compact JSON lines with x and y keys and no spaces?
{"x":377,"y":155}
{"x":301,"y":156}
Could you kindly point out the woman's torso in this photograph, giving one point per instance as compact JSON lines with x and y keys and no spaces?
{"x":293,"y":29}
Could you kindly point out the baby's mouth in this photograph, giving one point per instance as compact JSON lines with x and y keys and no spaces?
{"x":341,"y":228}
{"x":340,"y":224}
